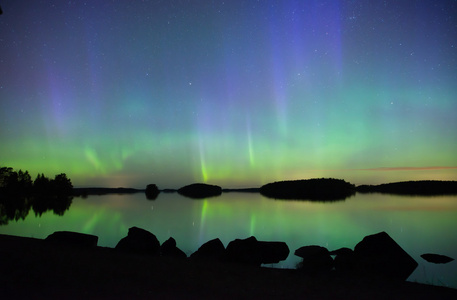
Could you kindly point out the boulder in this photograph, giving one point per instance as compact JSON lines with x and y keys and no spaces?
{"x":316,"y":259}
{"x":253,"y":252}
{"x":344,"y":259}
{"x":169,"y":248}
{"x":378,"y":255}
{"x":139,"y":241}
{"x":437,"y":258}
{"x":213,"y":249}
{"x":73,"y":239}
{"x":243,"y":251}
{"x":272,"y":252}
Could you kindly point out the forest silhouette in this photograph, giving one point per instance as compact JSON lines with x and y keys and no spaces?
{"x":19,"y":194}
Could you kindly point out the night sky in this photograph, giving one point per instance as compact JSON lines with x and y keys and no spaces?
{"x":235,"y":93}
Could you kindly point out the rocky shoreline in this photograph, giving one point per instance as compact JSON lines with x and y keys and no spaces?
{"x":52,"y":268}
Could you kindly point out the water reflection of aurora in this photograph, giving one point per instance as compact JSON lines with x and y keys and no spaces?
{"x":418,"y":224}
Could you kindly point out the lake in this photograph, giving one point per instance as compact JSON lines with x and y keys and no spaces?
{"x":418,"y":224}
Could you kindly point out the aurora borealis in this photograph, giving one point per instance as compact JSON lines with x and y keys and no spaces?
{"x":235,"y":93}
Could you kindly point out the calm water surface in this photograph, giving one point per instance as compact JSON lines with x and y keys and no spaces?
{"x":418,"y":224}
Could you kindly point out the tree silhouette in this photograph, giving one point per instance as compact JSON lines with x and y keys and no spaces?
{"x":18,"y":194}
{"x":61,"y":185}
{"x":152,"y":191}
{"x":41,"y":185}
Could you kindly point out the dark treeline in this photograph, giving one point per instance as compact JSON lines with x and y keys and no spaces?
{"x":84,"y":192}
{"x":422,"y":187}
{"x":20,"y":183}
{"x":19,"y":194}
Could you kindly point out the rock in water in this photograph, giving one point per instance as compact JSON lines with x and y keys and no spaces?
{"x":378,"y":255}
{"x":139,"y":241}
{"x":437,"y":258}
{"x":272,"y":252}
{"x":344,"y":260}
{"x":73,"y":239}
{"x":253,"y":252}
{"x":169,"y":248}
{"x":316,"y":259}
{"x":243,"y":251}
{"x":213,"y":249}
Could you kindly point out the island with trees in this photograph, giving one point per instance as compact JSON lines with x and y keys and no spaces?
{"x":19,"y":194}
{"x":317,"y":189}
{"x":413,"y":188}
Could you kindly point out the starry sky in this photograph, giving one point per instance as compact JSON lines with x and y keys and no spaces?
{"x":235,"y":93}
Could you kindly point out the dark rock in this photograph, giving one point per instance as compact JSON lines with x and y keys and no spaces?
{"x":437,"y":258}
{"x":213,"y":249}
{"x":316,"y":259}
{"x":73,"y":238}
{"x":200,"y":190}
{"x":378,"y":255}
{"x":342,"y":251}
{"x":272,"y":252}
{"x":139,"y":241}
{"x":168,"y":245}
{"x":169,"y":248}
{"x":252,"y":252}
{"x":152,"y":191}
{"x":243,"y":251}
{"x":307,"y":251}
{"x":344,"y":260}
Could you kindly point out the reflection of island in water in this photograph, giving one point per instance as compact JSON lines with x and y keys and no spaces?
{"x":19,"y":194}
{"x":14,"y":208}
{"x":413,"y":188}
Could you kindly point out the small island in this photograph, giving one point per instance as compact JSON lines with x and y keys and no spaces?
{"x":413,"y":188}
{"x":200,"y":190}
{"x":318,"y":189}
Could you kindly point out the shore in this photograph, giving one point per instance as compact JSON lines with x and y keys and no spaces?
{"x":39,"y":269}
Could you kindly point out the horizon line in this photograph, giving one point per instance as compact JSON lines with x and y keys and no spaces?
{"x":406,"y":168}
